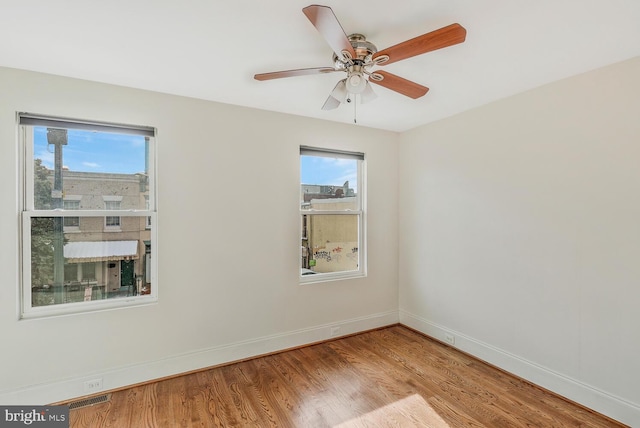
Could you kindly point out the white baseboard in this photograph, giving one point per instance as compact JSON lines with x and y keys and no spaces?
{"x":586,"y":395}
{"x":69,"y":389}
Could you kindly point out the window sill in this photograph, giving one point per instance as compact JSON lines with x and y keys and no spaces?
{"x":86,"y":307}
{"x":329,"y":277}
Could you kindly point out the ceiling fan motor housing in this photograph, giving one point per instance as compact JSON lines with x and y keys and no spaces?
{"x":356,"y":81}
{"x":364,"y":49}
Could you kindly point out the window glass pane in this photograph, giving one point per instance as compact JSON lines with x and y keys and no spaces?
{"x":112,"y":205}
{"x":90,"y":165}
{"x":324,"y":178}
{"x":331,"y":243}
{"x":72,"y":222}
{"x":71,"y":205}
{"x":92,"y":264}
{"x":112,"y":221}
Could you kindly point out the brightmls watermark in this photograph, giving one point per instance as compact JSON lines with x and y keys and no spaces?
{"x":34,"y":416}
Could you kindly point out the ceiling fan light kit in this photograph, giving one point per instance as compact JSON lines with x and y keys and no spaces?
{"x":355,"y":55}
{"x":340,"y":92}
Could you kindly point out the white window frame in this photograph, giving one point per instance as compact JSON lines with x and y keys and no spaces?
{"x":28,"y":211}
{"x":360,"y":213}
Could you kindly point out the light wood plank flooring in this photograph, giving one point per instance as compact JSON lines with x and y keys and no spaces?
{"x":392,"y":377}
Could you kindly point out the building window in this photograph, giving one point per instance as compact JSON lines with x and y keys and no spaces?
{"x":332,"y":220}
{"x":85,"y":240}
{"x":148,"y":221}
{"x":112,"y":203}
{"x":71,"y":203}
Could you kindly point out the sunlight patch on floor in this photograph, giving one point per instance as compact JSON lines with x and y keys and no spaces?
{"x":412,"y":411}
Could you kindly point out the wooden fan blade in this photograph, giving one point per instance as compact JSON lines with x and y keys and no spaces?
{"x":325,"y":21}
{"x":293,"y":73}
{"x":400,"y":85}
{"x":438,"y":39}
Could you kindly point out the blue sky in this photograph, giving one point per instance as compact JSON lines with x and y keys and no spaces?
{"x":329,"y":171}
{"x":89,"y":151}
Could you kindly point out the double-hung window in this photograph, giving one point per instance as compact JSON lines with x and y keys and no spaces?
{"x":87,"y":192}
{"x":332,"y":221}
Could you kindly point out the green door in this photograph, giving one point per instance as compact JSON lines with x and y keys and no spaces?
{"x":126,"y":273}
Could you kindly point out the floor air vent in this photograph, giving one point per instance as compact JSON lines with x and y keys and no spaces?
{"x":89,"y":401}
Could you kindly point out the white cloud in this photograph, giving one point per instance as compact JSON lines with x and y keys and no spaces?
{"x":47,"y":158}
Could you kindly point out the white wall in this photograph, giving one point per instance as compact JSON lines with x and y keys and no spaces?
{"x":228,"y":243}
{"x":520,"y":235}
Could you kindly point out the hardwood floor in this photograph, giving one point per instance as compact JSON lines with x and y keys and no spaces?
{"x":392,"y":377}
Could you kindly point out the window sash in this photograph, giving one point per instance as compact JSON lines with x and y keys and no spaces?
{"x":27,"y":168}
{"x":339,"y":154}
{"x":29,"y":311}
{"x":343,"y":274}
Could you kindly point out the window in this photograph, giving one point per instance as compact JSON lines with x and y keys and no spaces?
{"x":71,"y":203}
{"x":148,"y":221}
{"x":112,"y":203}
{"x":87,"y":243}
{"x":331,"y":214}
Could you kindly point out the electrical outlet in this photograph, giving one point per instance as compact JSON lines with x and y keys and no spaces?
{"x":335,"y":331}
{"x":450,"y":339}
{"x":93,"y":385}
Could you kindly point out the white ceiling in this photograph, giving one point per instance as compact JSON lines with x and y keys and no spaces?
{"x":210,"y":49}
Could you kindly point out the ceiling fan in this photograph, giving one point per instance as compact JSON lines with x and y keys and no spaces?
{"x":355,"y":55}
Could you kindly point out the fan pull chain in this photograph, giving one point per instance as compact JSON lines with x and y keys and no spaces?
{"x":355,"y":110}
